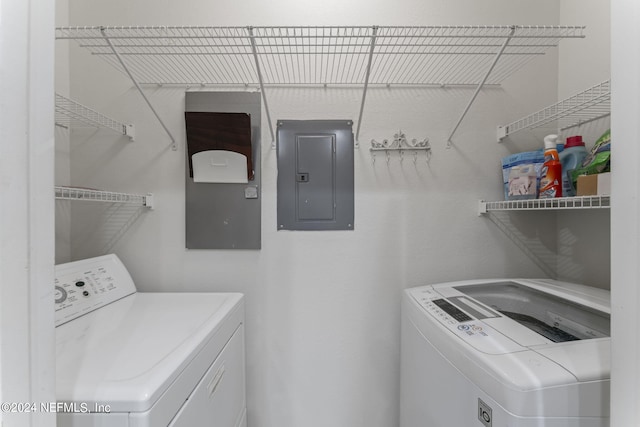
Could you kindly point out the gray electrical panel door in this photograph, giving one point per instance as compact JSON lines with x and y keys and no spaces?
{"x":315,"y":175}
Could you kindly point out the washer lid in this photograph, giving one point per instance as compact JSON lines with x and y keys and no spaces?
{"x":128,"y":353}
{"x":552,"y":316}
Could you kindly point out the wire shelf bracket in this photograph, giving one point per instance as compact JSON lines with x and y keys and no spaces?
{"x":137,"y":85}
{"x":481,"y":84}
{"x":366,"y":81}
{"x":69,"y":113}
{"x":261,"y":81}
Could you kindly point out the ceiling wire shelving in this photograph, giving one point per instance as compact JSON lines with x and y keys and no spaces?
{"x":363,"y":56}
{"x":584,"y":107}
{"x":86,"y":194}
{"x":69,"y":113}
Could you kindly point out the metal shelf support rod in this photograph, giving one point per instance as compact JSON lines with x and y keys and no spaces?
{"x":137,"y":85}
{"x":260,"y":80}
{"x":366,"y":81}
{"x":584,"y":122}
{"x":479,"y":88}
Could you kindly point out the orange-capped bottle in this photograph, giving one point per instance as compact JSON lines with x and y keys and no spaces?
{"x":551,"y":173}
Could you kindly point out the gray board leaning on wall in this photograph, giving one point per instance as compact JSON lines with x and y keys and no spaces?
{"x":224,"y":215}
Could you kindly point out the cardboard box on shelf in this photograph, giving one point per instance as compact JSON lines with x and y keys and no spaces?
{"x":594,"y":185}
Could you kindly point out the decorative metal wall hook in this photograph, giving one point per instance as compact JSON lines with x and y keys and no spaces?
{"x":400,"y":144}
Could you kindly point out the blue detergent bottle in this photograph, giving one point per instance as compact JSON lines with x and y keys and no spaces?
{"x":571,"y":158}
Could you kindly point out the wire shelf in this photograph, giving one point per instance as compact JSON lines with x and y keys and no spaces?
{"x":433,"y":55}
{"x":69,"y":113}
{"x":586,"y":106}
{"x":310,"y":56}
{"x":580,"y":202}
{"x":85,"y":194}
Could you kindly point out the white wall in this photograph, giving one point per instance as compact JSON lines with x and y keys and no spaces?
{"x":625,"y":235}
{"x":27,"y":345}
{"x":323,"y":307}
{"x":585,"y":256}
{"x":62,"y":167}
{"x":585,"y":63}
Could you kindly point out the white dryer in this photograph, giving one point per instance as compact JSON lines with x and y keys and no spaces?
{"x":135,"y":359}
{"x":498,"y":353}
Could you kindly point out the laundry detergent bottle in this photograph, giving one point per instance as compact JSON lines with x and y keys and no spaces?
{"x":551,"y":172}
{"x":571,"y":157}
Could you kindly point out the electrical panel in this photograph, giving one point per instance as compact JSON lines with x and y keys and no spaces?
{"x":315,"y":175}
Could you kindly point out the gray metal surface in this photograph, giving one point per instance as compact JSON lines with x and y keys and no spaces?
{"x":225,"y":216}
{"x":315,"y":175}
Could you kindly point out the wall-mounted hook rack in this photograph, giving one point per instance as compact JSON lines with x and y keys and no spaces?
{"x":401,"y":145}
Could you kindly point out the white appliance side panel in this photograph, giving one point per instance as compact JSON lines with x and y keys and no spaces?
{"x":434,"y":393}
{"x":219,"y":398}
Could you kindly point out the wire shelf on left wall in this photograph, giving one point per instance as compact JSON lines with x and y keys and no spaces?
{"x":87,"y":194}
{"x":70,"y":113}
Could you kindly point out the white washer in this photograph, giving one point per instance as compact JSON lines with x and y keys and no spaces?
{"x":498,"y":353}
{"x":135,"y":359}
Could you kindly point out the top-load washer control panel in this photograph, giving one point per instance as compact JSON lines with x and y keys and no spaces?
{"x":86,"y":285}
{"x":453,"y":311}
{"x":471,"y":329}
